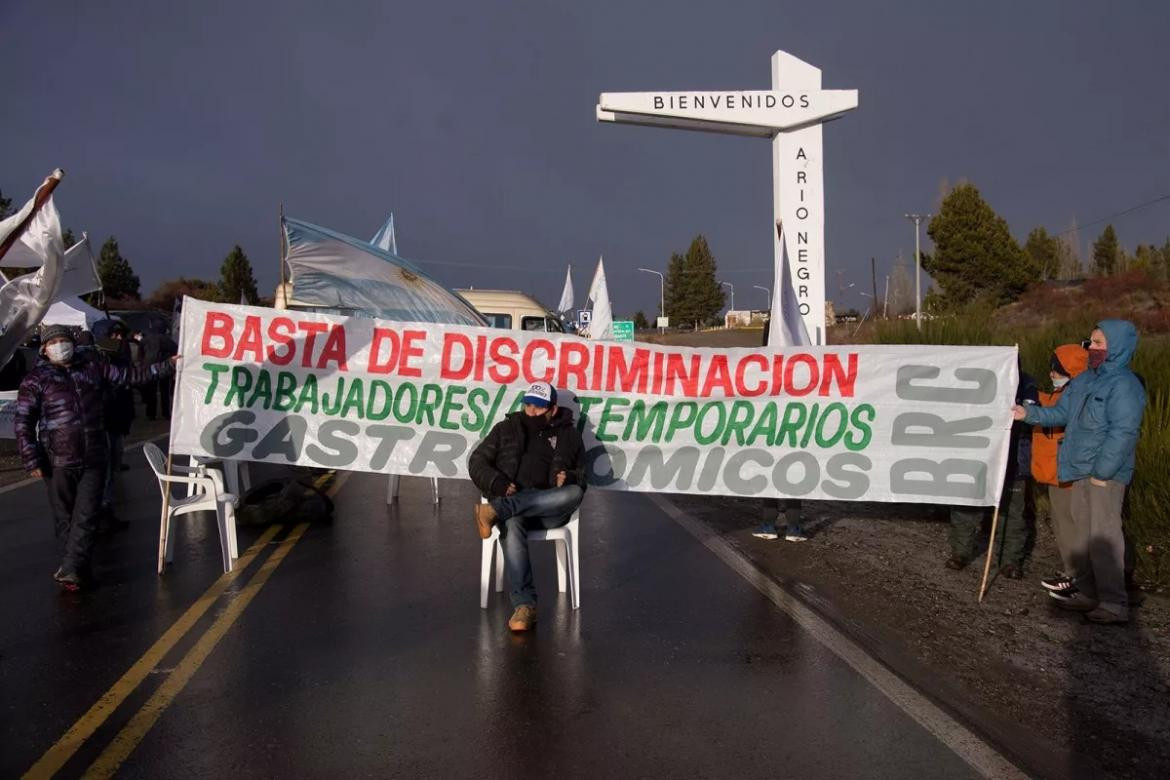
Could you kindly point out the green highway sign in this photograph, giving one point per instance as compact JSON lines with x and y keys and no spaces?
{"x":623,"y":330}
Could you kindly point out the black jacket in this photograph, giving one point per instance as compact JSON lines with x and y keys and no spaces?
{"x":494,"y":463}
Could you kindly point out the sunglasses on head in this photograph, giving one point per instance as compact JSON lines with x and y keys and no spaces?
{"x":1086,"y":344}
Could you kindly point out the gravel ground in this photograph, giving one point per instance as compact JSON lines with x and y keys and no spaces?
{"x":1043,"y":673}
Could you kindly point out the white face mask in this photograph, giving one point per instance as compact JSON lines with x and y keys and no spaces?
{"x":61,"y":352}
{"x":1059,"y":382}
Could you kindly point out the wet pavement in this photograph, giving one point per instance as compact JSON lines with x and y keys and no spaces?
{"x":363,"y":652}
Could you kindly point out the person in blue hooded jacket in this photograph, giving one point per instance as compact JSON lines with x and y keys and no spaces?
{"x":1101,"y":411}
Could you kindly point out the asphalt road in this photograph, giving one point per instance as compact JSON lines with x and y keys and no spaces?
{"x":358,"y":648}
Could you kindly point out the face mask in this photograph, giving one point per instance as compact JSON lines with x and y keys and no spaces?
{"x":62,"y":352}
{"x":1059,"y":382}
{"x":1097,"y":357}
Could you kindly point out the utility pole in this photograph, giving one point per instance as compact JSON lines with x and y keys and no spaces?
{"x":661,"y":293}
{"x":873,"y":277}
{"x":731,"y":287}
{"x":917,"y":220}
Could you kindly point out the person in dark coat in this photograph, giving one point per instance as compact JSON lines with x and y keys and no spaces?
{"x":772,"y":509}
{"x":61,"y":434}
{"x":532,"y":468}
{"x":119,"y":415}
{"x":156,"y":393}
{"x":1016,"y":515}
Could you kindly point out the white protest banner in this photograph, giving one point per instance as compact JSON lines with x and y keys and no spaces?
{"x":866,"y":423}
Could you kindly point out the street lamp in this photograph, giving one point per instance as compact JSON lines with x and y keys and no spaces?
{"x":769,"y":294}
{"x":917,"y":220}
{"x":661,"y":291}
{"x":731,"y":287}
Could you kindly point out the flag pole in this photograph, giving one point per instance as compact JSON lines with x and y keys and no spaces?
{"x":990,"y":552}
{"x":282,"y":290}
{"x":44,"y":192}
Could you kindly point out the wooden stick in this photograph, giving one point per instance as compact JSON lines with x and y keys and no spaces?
{"x":164,"y":537}
{"x":39,"y":200}
{"x":990,"y":552}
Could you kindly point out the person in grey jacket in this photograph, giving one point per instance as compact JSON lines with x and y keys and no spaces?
{"x":1101,"y":410}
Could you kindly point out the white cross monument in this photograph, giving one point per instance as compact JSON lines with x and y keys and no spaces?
{"x":791,"y":115}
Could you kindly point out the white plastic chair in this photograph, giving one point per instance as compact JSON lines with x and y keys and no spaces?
{"x":567,"y":539}
{"x":237,"y":476}
{"x":392,"y":484}
{"x":209,"y":496}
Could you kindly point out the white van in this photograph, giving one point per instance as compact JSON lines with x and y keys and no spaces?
{"x":513,"y":310}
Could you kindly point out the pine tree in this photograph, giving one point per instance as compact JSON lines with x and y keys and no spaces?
{"x":1044,"y":250}
{"x":640,"y":321}
{"x":118,"y":278}
{"x":975,"y":256}
{"x":704,"y":294}
{"x":236,"y":279}
{"x":5,"y":205}
{"x":1105,"y":252}
{"x":675,"y":288}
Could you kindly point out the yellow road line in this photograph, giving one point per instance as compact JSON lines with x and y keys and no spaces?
{"x":56,"y":756}
{"x":338,"y":481}
{"x":133,"y":732}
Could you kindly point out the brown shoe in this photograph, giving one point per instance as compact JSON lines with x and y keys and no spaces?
{"x":523,"y":618}
{"x":485,"y":518}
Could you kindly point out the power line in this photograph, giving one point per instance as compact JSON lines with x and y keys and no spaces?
{"x":1114,"y":216}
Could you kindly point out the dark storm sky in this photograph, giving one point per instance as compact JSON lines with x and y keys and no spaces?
{"x":183,"y":126}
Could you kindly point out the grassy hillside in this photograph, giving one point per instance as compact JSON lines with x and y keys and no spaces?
{"x":1045,"y":317}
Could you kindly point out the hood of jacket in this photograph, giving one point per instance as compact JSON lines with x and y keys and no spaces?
{"x":1073,"y":357}
{"x":1121,"y":340}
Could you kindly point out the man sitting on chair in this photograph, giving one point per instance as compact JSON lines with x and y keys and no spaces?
{"x":531,"y":467}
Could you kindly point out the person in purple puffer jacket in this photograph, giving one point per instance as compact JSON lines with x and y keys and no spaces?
{"x":61,"y":434}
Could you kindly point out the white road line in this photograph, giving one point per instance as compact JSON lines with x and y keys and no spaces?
{"x":978,"y":754}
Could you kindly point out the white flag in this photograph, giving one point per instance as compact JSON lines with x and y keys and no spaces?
{"x":385,"y":239}
{"x":566,"y":303}
{"x":785,"y":325}
{"x":80,"y":275}
{"x":25,"y":299}
{"x":601,"y":324}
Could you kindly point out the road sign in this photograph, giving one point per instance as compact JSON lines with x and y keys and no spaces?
{"x":584,"y":316}
{"x":663,"y":322}
{"x":623,"y":330}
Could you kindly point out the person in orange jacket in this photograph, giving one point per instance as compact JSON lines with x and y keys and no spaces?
{"x":1066,"y":362}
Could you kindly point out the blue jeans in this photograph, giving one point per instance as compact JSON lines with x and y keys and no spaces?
{"x":524,"y":511}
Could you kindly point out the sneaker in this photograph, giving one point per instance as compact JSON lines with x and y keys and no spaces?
{"x":956,"y":563}
{"x":1073,"y":599}
{"x":69,"y":581}
{"x":1058,"y":583}
{"x":523,"y":619}
{"x":485,"y":518}
{"x":1107,"y":617}
{"x":766,"y":531}
{"x":795,"y":534}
